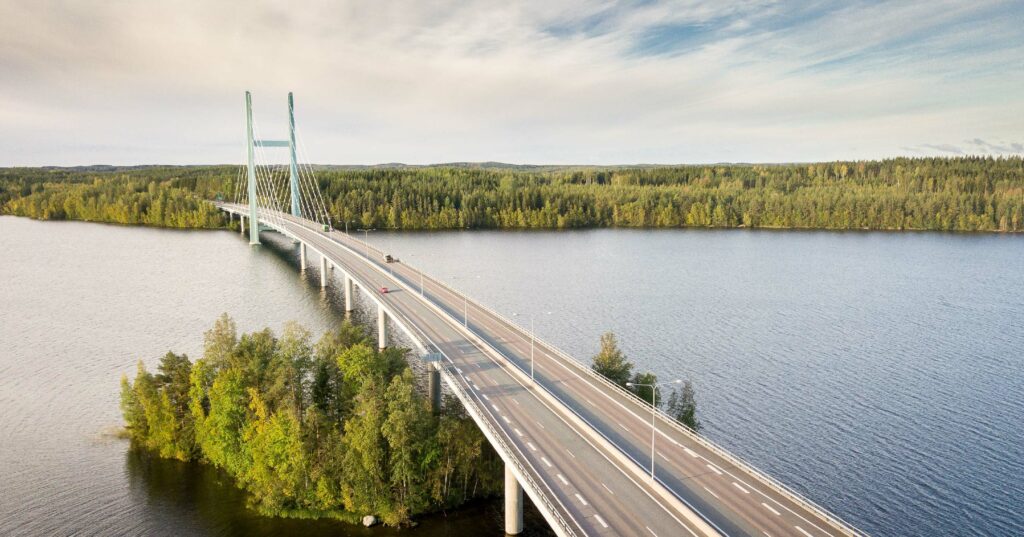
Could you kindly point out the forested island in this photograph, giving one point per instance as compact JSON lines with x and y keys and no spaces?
{"x":942,"y":194}
{"x":334,"y":428}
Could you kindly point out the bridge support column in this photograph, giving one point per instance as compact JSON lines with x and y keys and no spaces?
{"x":382,"y":328}
{"x":434,"y":387}
{"x":348,"y":293}
{"x":323,"y":271}
{"x":513,"y":504}
{"x":241,"y":224}
{"x":302,"y":256}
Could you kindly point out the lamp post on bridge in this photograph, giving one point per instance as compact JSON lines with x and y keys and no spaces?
{"x":366,"y":239}
{"x":533,"y":338}
{"x":654,"y":410}
{"x":465,"y":304}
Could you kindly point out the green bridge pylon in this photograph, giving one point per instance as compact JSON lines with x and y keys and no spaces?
{"x":251,"y":145}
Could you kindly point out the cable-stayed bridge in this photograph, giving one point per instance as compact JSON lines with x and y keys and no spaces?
{"x":594,"y":458}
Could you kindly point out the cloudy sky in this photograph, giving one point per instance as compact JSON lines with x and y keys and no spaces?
{"x":553,"y":81}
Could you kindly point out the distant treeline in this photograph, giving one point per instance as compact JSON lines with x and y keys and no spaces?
{"x":336,"y":428}
{"x":954,"y":194}
{"x":141,"y":196}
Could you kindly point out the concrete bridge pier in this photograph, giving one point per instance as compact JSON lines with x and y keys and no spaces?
{"x":348,"y":293}
{"x":302,"y":256}
{"x":513,"y":503}
{"x":241,"y":224}
{"x":323,"y":271}
{"x":434,"y":388}
{"x":382,"y":328}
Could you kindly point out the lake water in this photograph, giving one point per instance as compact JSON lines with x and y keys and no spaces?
{"x":881,"y":374}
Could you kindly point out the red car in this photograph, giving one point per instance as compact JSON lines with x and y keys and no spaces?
{"x":384,"y":290}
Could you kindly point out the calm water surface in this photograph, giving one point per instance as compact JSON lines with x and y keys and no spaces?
{"x":881,"y":374}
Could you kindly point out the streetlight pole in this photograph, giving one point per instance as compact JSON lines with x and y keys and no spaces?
{"x":533,"y":339}
{"x":654,"y":397}
{"x":366,"y":240}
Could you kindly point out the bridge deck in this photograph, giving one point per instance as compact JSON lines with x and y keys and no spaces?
{"x":588,"y":443}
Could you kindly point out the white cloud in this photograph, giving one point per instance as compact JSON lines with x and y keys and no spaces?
{"x":544,"y":82}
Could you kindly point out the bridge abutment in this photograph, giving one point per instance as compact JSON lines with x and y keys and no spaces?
{"x":513,"y":503}
{"x":382,"y":328}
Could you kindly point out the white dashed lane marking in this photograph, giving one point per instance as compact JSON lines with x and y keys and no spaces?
{"x":743,"y":490}
{"x":584,"y":502}
{"x":530,"y":444}
{"x":562,"y":479}
{"x":601,"y":521}
{"x":546,"y":461}
{"x":608,"y":489}
{"x":711,"y":492}
{"x":518,"y":432}
{"x":770,"y":508}
{"x":715,"y":469}
{"x":803,"y":531}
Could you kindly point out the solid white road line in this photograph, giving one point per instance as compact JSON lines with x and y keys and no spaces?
{"x":770,"y":508}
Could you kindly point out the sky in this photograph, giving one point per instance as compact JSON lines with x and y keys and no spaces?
{"x":525,"y":82}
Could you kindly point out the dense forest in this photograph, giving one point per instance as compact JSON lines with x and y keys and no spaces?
{"x":948,"y":194}
{"x":336,"y":428}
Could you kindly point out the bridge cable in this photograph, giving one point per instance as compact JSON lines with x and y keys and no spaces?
{"x":312,"y":177}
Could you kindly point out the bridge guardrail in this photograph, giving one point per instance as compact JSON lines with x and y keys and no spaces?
{"x":735,"y":460}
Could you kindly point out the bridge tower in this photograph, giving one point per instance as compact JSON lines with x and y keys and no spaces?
{"x":293,"y":168}
{"x":293,"y":165}
{"x":254,"y":227}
